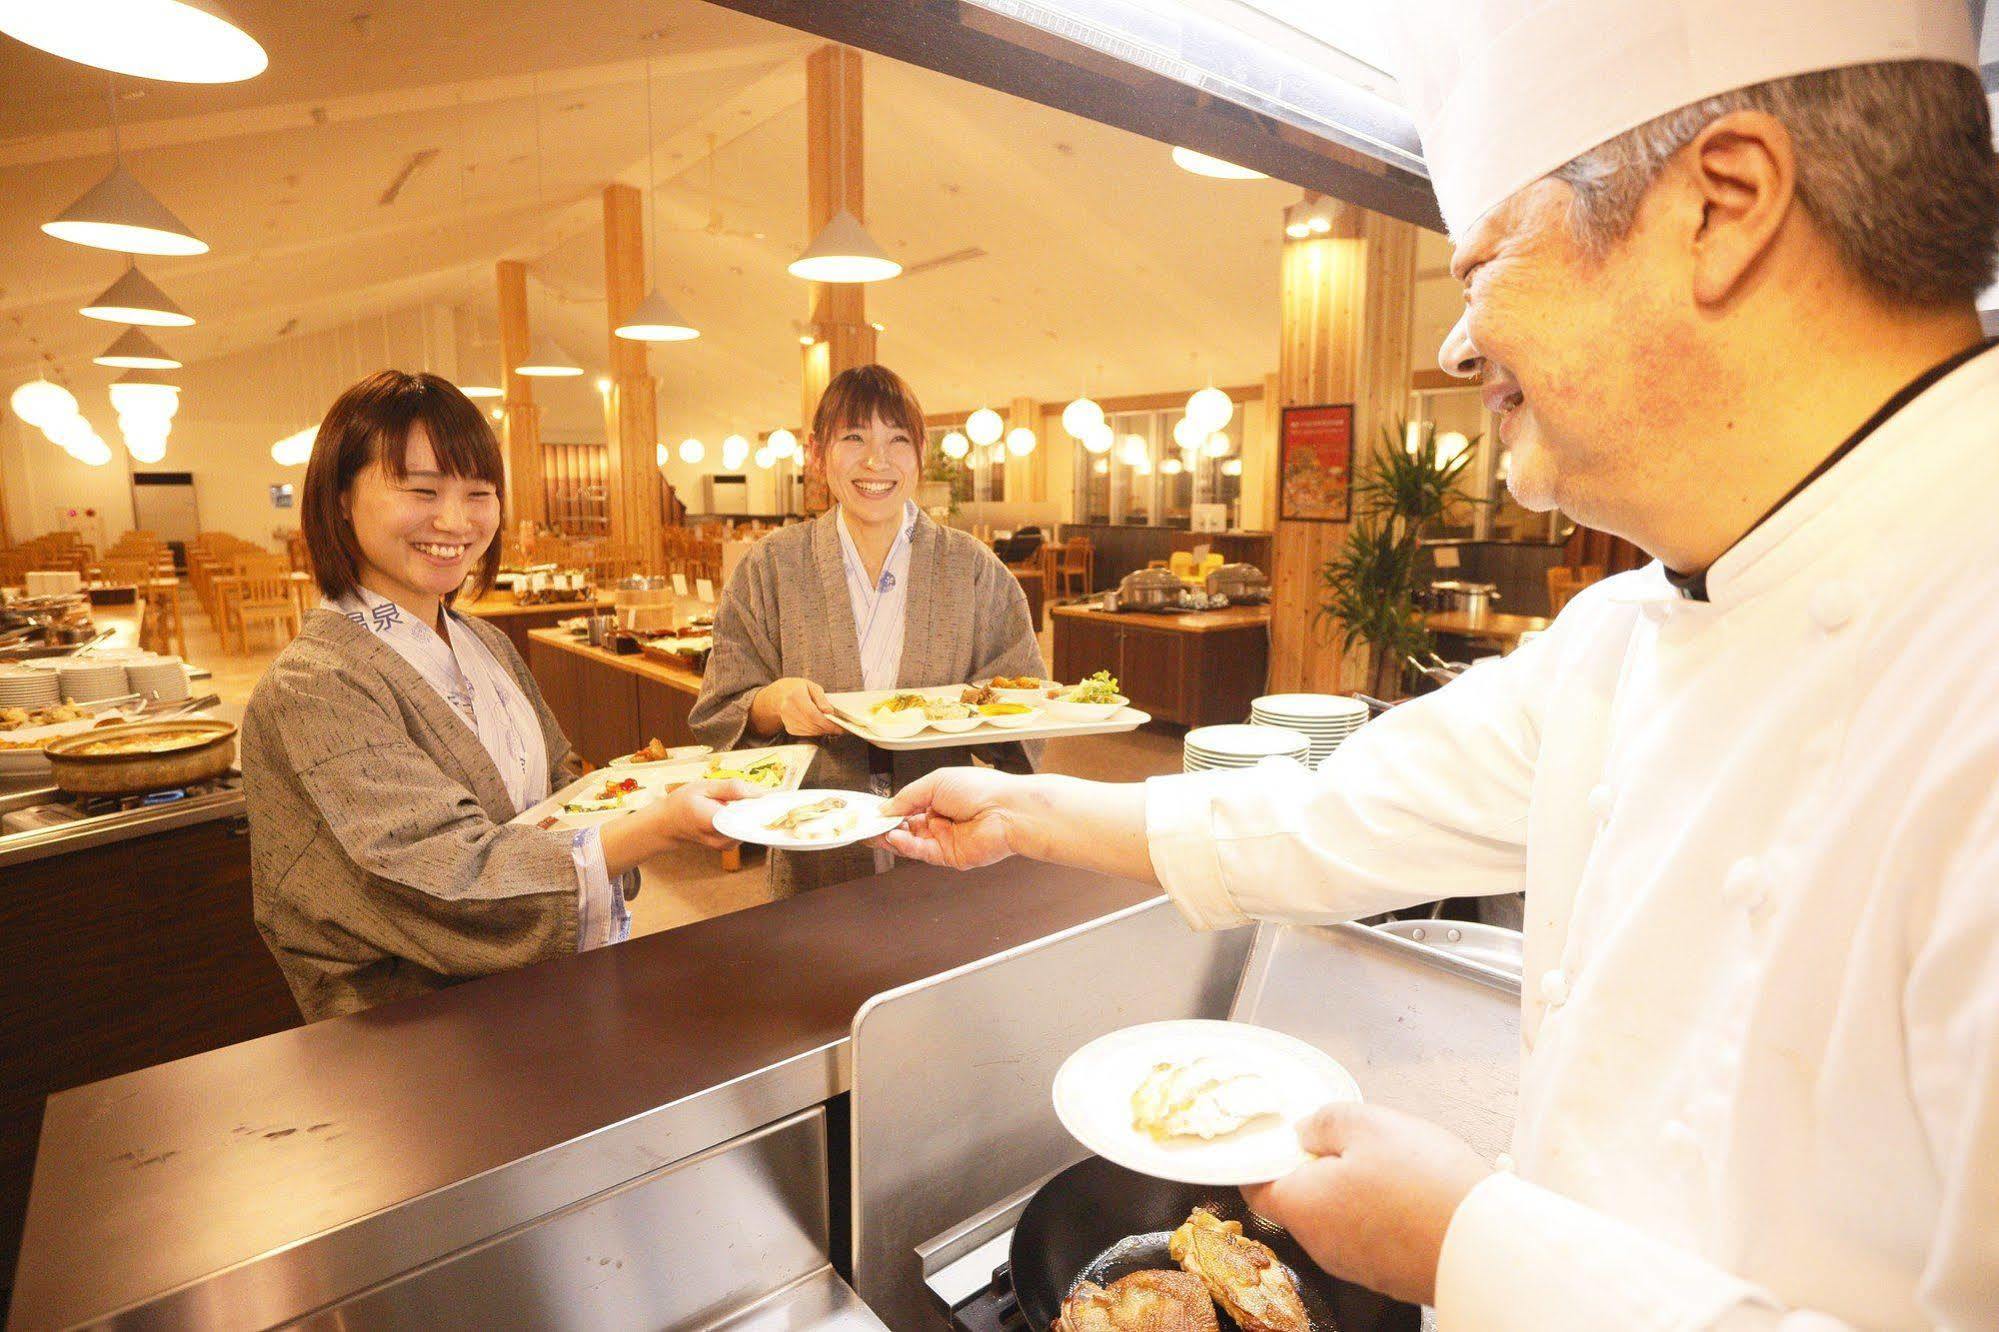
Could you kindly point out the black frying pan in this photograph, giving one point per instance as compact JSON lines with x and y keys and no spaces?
{"x":1097,"y":1221}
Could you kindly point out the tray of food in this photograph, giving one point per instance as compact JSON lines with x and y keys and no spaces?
{"x":1006,"y":708}
{"x":25,"y":733}
{"x":611,"y":792}
{"x":806,"y":820}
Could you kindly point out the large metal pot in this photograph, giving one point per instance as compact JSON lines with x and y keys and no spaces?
{"x":190,"y":750}
{"x":1239,"y":583}
{"x":1150,"y":589}
{"x":1456,"y":595}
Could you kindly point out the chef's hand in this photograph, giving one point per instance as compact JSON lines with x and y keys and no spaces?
{"x":688,"y":815}
{"x":958,"y":818}
{"x":794,"y":705}
{"x":1376,"y":1204}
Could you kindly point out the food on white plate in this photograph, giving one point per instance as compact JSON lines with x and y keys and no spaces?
{"x":901,"y":703}
{"x":768,"y":772}
{"x":1033,"y":682}
{"x":978,"y":695}
{"x":816,"y":820}
{"x":1242,"y":1274}
{"x":1099,"y":688}
{"x":611,"y":795}
{"x":1004,"y":709}
{"x":1203,"y":1098}
{"x":1150,"y":1301}
{"x":944,"y":709}
{"x":14,"y":719}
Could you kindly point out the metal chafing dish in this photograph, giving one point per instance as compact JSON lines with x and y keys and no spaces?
{"x":1240,"y":583}
{"x":1150,"y":589}
{"x":1452,"y":594}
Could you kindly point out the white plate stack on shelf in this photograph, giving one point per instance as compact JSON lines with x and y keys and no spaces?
{"x":1326,"y":720}
{"x":162,"y":678}
{"x":85,"y":680}
{"x":24,"y":687}
{"x":1211,"y":747}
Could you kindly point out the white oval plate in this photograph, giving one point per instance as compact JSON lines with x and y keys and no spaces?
{"x":745,"y":820}
{"x":1094,"y":1085}
{"x":678,"y":754}
{"x":1012,"y":721}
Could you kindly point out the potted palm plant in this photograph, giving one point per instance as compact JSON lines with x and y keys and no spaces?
{"x":1369,"y":588}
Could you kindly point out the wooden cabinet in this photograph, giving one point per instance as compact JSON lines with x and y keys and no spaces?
{"x":609,"y":706}
{"x":663,"y":713}
{"x":1194,"y":670}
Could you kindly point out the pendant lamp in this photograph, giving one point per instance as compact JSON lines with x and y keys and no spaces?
{"x":1082,"y":416}
{"x":954,"y":445}
{"x":118,"y":213}
{"x":1203,"y":165}
{"x":481,"y":391}
{"x":782,"y":443}
{"x":843,"y":251}
{"x":145,"y":393}
{"x":136,"y":299}
{"x":985,"y":426}
{"x":41,"y":403}
{"x":179,"y":41}
{"x":655,"y":319}
{"x":135,"y":351}
{"x":1020,"y":441}
{"x":692,"y":451}
{"x":547,"y":360}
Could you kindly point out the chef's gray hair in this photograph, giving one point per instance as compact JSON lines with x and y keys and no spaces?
{"x":1895,"y":164}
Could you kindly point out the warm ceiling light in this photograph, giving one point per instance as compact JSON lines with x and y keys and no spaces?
{"x":783,"y":443}
{"x":546,"y":360}
{"x":1297,"y":230}
{"x":764,"y":459}
{"x":145,"y":393}
{"x":1020,"y":441}
{"x":1134,"y":450}
{"x":655,"y":320}
{"x":735,"y":451}
{"x":118,"y":213}
{"x":179,"y":41}
{"x":1101,"y":438}
{"x":844,"y":252}
{"x":806,"y":339}
{"x":954,"y":445}
{"x":41,"y":403}
{"x":603,"y":384}
{"x":1233,"y":467}
{"x":1172,"y":467}
{"x":481,"y":391}
{"x":1203,"y":165}
{"x":1082,"y":416}
{"x":692,"y":451}
{"x":1210,"y":409}
{"x":135,"y":299}
{"x":984,"y":426}
{"x":1218,"y":446}
{"x":1101,"y":466}
{"x":135,"y":351}
{"x":1319,"y":224}
{"x":1186,"y":434}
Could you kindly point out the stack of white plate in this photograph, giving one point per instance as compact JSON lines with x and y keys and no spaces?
{"x":86,"y":681}
{"x":163,"y":678}
{"x":1210,"y":747}
{"x":1325,"y":720}
{"x":52,"y":582}
{"x":22,"y":687}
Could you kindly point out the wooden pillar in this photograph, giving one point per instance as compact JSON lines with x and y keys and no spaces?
{"x":521,"y":428}
{"x":1347,"y":302}
{"x":834,"y":178}
{"x":1026,"y":478}
{"x":634,"y":472}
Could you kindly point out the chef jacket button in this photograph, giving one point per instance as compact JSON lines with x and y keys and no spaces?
{"x":1601,"y":799}
{"x":1832,"y":605}
{"x":1503,"y":1163}
{"x":1746,"y":884}
{"x":1555,"y":986}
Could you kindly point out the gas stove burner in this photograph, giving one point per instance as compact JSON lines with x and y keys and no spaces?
{"x":993,"y":1309}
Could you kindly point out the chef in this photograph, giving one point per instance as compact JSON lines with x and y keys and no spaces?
{"x":1719,"y":263}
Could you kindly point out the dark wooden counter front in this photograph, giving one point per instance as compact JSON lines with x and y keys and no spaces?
{"x":609,"y":704}
{"x":500,"y":610}
{"x":149,"y":1181}
{"x":1198,"y":669}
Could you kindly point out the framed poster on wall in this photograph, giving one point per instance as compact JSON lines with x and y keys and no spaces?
{"x":1315,"y":464}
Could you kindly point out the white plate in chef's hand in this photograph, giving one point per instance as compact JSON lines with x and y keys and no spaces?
{"x":1094,"y":1085}
{"x":748,"y":820}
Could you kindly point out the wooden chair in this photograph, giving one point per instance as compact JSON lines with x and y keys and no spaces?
{"x":1564,"y":582}
{"x":265,"y":596}
{"x":1078,"y":566}
{"x":162,"y":628}
{"x":135,"y":570}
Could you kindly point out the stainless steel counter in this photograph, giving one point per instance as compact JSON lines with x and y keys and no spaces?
{"x":275,"y":1178}
{"x":93,"y":830}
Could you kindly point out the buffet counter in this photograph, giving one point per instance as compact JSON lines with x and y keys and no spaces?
{"x":1197,"y":668}
{"x":328,"y":1173}
{"x":608,"y":703}
{"x":510,"y":617}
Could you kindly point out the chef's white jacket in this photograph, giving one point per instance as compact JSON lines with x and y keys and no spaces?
{"x":1759,"y":838}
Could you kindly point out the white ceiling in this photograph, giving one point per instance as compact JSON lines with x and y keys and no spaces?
{"x":1105,"y":267}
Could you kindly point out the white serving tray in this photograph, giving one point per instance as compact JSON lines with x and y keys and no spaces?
{"x":659,"y":779}
{"x":851,"y":711}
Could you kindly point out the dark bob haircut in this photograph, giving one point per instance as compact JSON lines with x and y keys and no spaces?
{"x":860,"y":395}
{"x":371,"y":423}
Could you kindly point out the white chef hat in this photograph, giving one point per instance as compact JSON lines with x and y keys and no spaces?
{"x":1505,"y":91}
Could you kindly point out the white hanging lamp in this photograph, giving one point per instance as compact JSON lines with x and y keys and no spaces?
{"x":1210,"y":409}
{"x":136,"y":299}
{"x":547,"y":360}
{"x":692,"y":451}
{"x":984,"y":426}
{"x":481,"y":391}
{"x":178,"y":41}
{"x":954,"y":445}
{"x":782,"y":443}
{"x":1020,"y":441}
{"x":1213,"y":167}
{"x":1101,"y":438}
{"x":843,"y":251}
{"x":135,"y":351}
{"x":145,"y":393}
{"x":41,"y":403}
{"x":735,"y":452}
{"x":654,"y":319}
{"x":1082,"y":416}
{"x":118,"y":213}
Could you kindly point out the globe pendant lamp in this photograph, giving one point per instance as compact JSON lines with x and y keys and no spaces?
{"x":655,"y":320}
{"x":118,"y":213}
{"x":547,"y":360}
{"x":1020,"y":441}
{"x":41,"y":403}
{"x":135,"y":351}
{"x":735,"y":451}
{"x":692,"y":451}
{"x":135,"y":299}
{"x":844,"y":252}
{"x":954,"y":445}
{"x":178,"y":41}
{"x":1210,"y":409}
{"x":1082,"y":416}
{"x":782,"y":444}
{"x":985,"y":426}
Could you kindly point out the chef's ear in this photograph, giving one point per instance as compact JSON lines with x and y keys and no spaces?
{"x":1743,"y":171}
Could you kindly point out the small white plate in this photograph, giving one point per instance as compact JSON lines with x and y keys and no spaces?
{"x":955,"y":725}
{"x":1062,"y":709}
{"x":1094,"y":1085}
{"x":748,"y":820}
{"x":1012,"y":721}
{"x":677,"y":754}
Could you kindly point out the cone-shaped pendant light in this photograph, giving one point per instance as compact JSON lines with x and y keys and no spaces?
{"x":547,"y":360}
{"x":137,"y":299}
{"x":135,"y":351}
{"x":843,"y":251}
{"x":481,"y":391}
{"x":118,"y":213}
{"x":145,"y":393}
{"x":655,"y":320}
{"x":181,"y":41}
